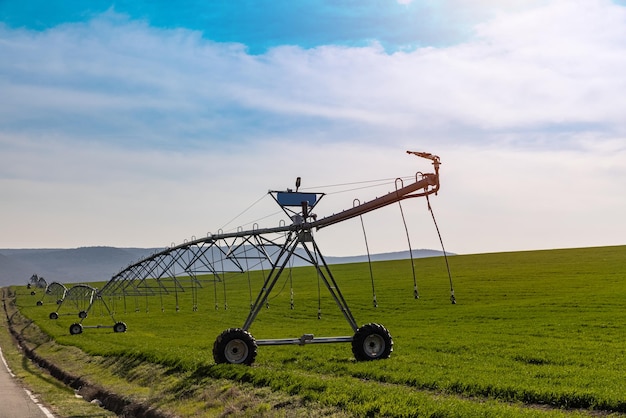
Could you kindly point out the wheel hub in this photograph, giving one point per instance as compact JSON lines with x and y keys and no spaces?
{"x":236,"y":351}
{"x":373,"y":345}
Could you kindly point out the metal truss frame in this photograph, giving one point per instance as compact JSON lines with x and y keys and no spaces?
{"x":176,"y":269}
{"x":56,"y":290}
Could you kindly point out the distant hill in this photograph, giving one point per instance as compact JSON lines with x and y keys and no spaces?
{"x":398,"y":255}
{"x":85,"y":264}
{"x":14,"y":271}
{"x":91,"y":264}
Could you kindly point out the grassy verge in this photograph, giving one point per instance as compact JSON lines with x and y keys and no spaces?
{"x":59,"y":398}
{"x":145,"y":389}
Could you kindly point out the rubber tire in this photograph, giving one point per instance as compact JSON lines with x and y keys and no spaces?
{"x":119,"y":327}
{"x":76,"y":329}
{"x":235,"y":346}
{"x":53,"y":315}
{"x":372,"y":342}
{"x":82,"y":314}
{"x":39,"y":303}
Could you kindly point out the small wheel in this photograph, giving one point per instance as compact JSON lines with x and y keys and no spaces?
{"x":119,"y":327}
{"x":76,"y":329}
{"x":235,"y":346}
{"x":39,"y":303}
{"x":53,"y":315}
{"x":82,"y":314}
{"x":33,"y":293}
{"x":372,"y":342}
{"x":59,"y":301}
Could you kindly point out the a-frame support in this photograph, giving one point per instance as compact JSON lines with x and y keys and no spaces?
{"x":313,"y":256}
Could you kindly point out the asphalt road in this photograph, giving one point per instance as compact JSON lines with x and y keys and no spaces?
{"x":15,"y":402}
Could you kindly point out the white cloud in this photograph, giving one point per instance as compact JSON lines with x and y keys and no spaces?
{"x":521,"y":71}
{"x":113,"y":132}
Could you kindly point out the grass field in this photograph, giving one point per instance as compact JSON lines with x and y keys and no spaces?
{"x":532,"y":334}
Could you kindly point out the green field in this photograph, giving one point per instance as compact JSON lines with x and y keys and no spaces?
{"x":532,"y":334}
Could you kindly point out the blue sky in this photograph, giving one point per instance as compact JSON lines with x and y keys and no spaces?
{"x":136,"y":123}
{"x":260,"y":25}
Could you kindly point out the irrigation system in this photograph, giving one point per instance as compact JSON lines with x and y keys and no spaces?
{"x":181,"y":267}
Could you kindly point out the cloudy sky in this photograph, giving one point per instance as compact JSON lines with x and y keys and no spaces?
{"x":144,"y":123}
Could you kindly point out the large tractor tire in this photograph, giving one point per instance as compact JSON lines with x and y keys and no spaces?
{"x":235,"y":346}
{"x":372,"y":342}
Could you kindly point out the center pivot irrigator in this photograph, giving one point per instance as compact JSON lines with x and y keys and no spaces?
{"x":180,"y":268}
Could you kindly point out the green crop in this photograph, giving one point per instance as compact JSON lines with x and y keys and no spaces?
{"x":532,"y":333}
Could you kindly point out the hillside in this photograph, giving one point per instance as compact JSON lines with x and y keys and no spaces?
{"x":93,"y":264}
{"x":85,"y":264}
{"x":14,"y":271}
